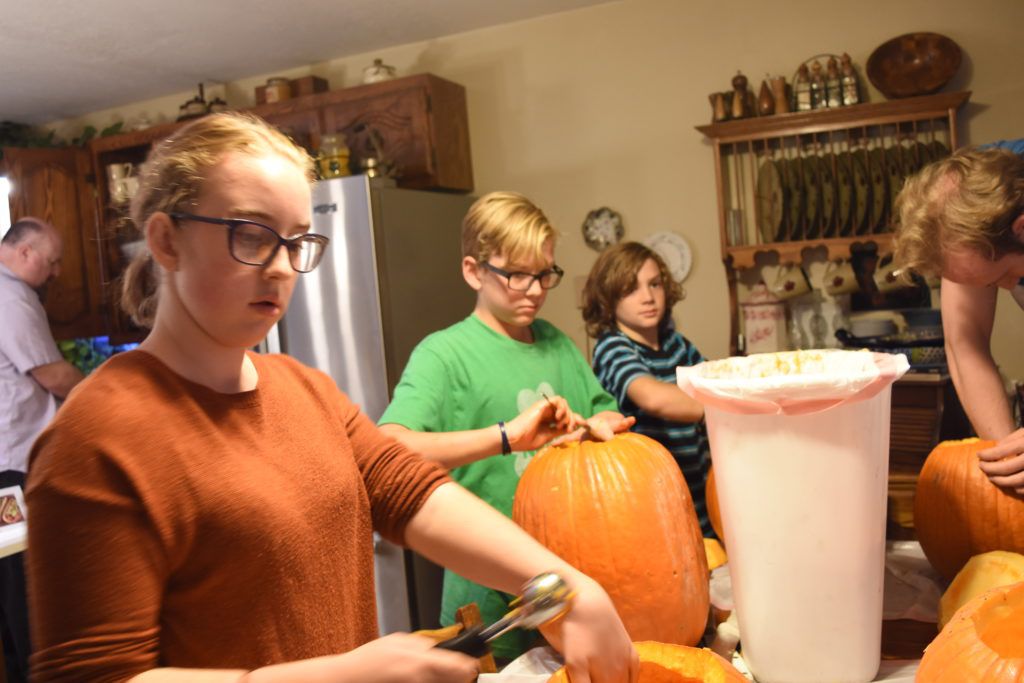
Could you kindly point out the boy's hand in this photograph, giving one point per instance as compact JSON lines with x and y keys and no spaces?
{"x":540,"y":423}
{"x":604,"y":426}
{"x":601,"y":427}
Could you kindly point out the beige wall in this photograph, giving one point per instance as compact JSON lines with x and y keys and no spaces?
{"x":598,"y":106}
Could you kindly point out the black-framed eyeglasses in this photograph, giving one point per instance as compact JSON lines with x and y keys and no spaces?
{"x":256,"y":244}
{"x":521,"y":282}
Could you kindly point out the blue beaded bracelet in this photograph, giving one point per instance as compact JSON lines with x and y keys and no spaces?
{"x":506,"y":447}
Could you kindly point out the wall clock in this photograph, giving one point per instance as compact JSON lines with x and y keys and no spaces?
{"x":674,"y":250}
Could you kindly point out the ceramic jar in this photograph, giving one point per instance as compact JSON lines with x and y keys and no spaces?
{"x":278,"y":89}
{"x":378,"y":71}
{"x":332,"y":161}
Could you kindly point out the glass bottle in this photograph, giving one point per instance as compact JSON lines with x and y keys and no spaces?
{"x":818,"y":95}
{"x":833,"y":86}
{"x":851,"y":88}
{"x":802,"y":89}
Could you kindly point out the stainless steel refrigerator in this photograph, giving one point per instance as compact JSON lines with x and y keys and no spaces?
{"x":390,"y":276}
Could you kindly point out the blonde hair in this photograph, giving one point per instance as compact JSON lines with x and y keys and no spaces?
{"x":171,"y":180}
{"x":613,"y":276}
{"x":505,"y":223}
{"x":968,"y":200}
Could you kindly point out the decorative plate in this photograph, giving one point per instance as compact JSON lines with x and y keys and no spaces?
{"x":846,"y":194}
{"x":674,"y":250}
{"x":862,"y":191}
{"x":794,"y":184}
{"x":897,"y":166}
{"x":602,"y":228}
{"x":913,"y":159}
{"x":769,"y":201}
{"x":829,"y":198}
{"x":938,"y":150}
{"x":879,"y":189}
{"x":812,"y":196}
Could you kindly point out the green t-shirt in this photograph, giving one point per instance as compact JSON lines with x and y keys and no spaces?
{"x":469,"y":376}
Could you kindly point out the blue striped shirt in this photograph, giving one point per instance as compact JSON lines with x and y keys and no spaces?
{"x":618,"y":360}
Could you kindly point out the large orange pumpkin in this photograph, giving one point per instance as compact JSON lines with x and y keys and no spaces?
{"x":620,"y":512}
{"x":667,"y":663}
{"x":714,"y":511}
{"x":959,"y":513}
{"x":983,"y":643}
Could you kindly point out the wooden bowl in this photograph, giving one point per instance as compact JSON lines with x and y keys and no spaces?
{"x":913,"y":64}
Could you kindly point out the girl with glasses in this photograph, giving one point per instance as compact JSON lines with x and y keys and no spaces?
{"x":204,"y":513}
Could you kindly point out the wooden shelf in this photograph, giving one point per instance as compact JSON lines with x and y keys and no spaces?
{"x":884,"y":130}
{"x":135,"y":138}
{"x":792,"y":252}
{"x":822,"y":120}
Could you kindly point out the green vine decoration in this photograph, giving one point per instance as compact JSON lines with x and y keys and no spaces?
{"x":14,"y":134}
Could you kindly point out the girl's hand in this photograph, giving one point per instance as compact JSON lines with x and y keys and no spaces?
{"x":592,"y":639}
{"x":395,"y":658}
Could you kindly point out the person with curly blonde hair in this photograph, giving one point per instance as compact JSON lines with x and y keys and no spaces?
{"x":627,"y":306}
{"x":962,"y":218}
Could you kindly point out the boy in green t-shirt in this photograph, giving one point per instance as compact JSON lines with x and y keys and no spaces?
{"x":500,"y":363}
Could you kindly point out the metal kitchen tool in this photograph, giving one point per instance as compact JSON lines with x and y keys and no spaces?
{"x":543,"y":598}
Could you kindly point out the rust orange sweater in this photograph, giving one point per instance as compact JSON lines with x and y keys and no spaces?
{"x":171,"y":525}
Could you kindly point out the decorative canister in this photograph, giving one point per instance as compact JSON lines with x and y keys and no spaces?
{"x":378,"y":71}
{"x":332,"y":161}
{"x":764,"y":321}
{"x":278,"y":89}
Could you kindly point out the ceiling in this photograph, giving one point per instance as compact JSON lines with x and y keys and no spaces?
{"x":66,"y":58}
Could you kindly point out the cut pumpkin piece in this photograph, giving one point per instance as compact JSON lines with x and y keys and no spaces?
{"x":981,"y":573}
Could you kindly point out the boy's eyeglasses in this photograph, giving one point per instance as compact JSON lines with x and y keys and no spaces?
{"x":255,"y":244}
{"x":521,"y":282}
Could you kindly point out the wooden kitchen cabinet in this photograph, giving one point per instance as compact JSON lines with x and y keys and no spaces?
{"x":925,"y":411}
{"x":780,"y":179}
{"x":422,"y":127}
{"x":55,"y":185}
{"x":420,"y":124}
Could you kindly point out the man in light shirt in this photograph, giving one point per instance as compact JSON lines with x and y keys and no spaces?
{"x":33,"y":377}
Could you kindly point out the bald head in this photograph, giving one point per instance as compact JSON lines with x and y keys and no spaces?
{"x":32,"y":250}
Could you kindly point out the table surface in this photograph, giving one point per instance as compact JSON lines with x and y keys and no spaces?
{"x":13,"y":540}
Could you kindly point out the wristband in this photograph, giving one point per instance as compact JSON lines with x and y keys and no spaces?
{"x":506,"y":447}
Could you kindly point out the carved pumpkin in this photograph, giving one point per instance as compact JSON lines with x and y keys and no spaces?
{"x":620,"y":512}
{"x":667,"y":663}
{"x":983,"y":642}
{"x":981,"y":573}
{"x":959,"y":513}
{"x":714,"y":511}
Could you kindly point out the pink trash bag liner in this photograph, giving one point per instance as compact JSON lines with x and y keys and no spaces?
{"x":791,"y":382}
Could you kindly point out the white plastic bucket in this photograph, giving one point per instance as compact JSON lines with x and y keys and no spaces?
{"x":800,"y":447}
